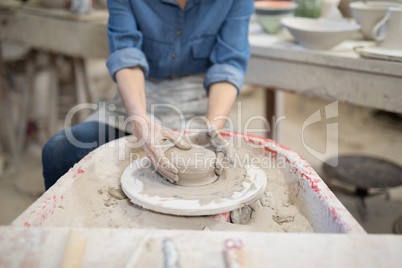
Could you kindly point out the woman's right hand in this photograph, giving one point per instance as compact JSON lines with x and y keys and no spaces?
{"x":152,"y":136}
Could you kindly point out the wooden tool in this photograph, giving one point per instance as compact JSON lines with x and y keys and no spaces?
{"x":234,"y":254}
{"x":74,"y":252}
{"x":171,"y":254}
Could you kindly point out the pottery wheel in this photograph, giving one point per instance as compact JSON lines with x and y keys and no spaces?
{"x":232,"y":190}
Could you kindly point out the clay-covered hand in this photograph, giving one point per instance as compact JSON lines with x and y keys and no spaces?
{"x":153,"y":135}
{"x":213,"y":139}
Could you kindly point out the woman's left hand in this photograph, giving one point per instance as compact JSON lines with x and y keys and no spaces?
{"x":211,"y":138}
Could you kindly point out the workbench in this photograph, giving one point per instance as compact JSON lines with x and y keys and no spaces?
{"x":44,"y":247}
{"x":339,"y":74}
{"x":58,"y":31}
{"x":38,"y":244}
{"x":27,"y":242}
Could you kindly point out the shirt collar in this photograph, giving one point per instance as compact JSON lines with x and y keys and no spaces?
{"x":169,"y":2}
{"x":190,"y":3}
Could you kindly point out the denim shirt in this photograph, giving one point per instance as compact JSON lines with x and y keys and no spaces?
{"x":209,"y":36}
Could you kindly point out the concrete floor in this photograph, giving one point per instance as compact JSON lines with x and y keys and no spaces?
{"x":359,"y":132}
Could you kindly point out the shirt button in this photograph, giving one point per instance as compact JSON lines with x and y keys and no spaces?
{"x":174,"y":56}
{"x":178,"y":32}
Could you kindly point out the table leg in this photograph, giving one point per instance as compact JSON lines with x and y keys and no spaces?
{"x":7,"y":135}
{"x":82,"y":86}
{"x":362,"y":208}
{"x":53,"y":119}
{"x":270,"y":106}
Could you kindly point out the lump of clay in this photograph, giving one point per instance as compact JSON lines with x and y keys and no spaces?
{"x":241,"y":215}
{"x":283,"y":218}
{"x":196,"y":166}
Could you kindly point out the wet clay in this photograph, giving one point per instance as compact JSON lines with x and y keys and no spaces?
{"x":196,"y":166}
{"x":230,"y":181}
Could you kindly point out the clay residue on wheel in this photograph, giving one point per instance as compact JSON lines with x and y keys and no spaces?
{"x":84,"y":202}
{"x":230,"y":181}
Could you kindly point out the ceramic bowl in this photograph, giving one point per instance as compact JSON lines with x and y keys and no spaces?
{"x":269,"y":13}
{"x":319,"y":33}
{"x":368,"y":14}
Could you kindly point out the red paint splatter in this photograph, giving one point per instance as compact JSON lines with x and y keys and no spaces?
{"x":225,"y":217}
{"x":314,"y":183}
{"x":27,"y":224}
{"x":333,"y":211}
{"x":79,"y":171}
{"x":273,"y":152}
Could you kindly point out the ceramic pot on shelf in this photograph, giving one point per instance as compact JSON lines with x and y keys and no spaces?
{"x":368,"y":14}
{"x":389,"y":30}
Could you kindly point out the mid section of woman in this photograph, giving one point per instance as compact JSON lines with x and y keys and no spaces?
{"x":172,"y":60}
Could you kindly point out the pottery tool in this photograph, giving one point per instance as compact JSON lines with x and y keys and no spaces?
{"x":171,"y":254}
{"x":74,"y":252}
{"x":231,"y":191}
{"x":134,"y":259}
{"x":234,"y":254}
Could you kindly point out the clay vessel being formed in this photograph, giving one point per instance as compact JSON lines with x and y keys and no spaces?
{"x":196,"y":166}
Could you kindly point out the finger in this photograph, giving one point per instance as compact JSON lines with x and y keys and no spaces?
{"x":222,"y":140}
{"x":227,"y":151}
{"x":211,"y":128}
{"x":177,"y":141}
{"x":155,"y":164}
{"x":170,"y":176}
{"x":219,"y":163}
{"x":229,"y":155}
{"x":164,"y":161}
{"x":212,"y":132}
{"x":218,"y":141}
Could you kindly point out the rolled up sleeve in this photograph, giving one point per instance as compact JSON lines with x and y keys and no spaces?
{"x":224,"y":73}
{"x":125,"y":40}
{"x":231,"y":52}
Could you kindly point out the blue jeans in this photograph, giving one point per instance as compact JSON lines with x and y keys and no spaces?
{"x":61,"y":153}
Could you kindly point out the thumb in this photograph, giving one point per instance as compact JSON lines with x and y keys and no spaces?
{"x":178,"y":142}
